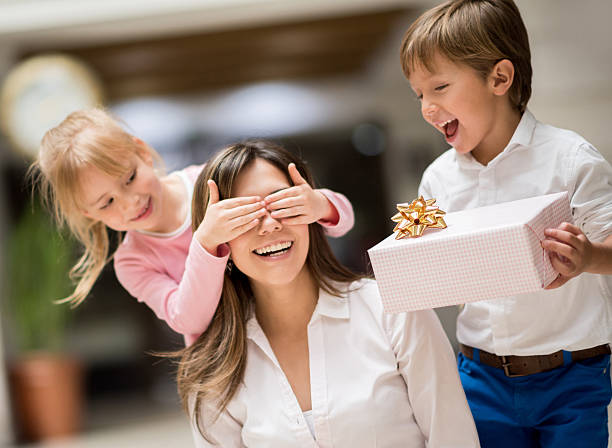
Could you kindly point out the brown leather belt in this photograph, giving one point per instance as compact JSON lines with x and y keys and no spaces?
{"x":528,"y":365}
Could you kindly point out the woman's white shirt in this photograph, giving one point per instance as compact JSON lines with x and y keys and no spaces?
{"x":376,"y":380}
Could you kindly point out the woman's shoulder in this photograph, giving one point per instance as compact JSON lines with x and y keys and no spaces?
{"x":364,"y":292}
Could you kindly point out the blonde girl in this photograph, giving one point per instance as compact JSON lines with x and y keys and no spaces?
{"x":93,"y":175}
{"x":299,"y":352}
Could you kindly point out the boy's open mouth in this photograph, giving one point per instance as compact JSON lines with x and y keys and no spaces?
{"x":274,"y":250}
{"x":450,"y":128}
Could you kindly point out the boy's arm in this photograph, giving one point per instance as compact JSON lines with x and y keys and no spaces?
{"x":601,"y":262}
{"x":586,"y":245}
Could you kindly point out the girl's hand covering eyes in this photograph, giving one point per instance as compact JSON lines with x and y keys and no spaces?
{"x":300,"y":204}
{"x":227,"y":219}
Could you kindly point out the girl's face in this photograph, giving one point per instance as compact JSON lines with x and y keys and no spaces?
{"x":132,"y":201}
{"x":270,"y":254}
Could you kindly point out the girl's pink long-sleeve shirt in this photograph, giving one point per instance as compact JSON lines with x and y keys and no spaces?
{"x":179,"y":279}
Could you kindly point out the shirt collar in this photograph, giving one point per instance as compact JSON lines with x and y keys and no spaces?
{"x":328,"y":305}
{"x":524,"y":131}
{"x":522,"y":137}
{"x":335,"y":307}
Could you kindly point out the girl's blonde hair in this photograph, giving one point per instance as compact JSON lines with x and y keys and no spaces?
{"x":213,"y":367}
{"x":84,"y":138}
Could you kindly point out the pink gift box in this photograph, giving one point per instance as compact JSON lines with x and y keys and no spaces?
{"x":484,"y":253}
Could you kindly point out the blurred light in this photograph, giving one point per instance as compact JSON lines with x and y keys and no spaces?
{"x":161,"y":123}
{"x":368,"y":139}
{"x":269,"y":109}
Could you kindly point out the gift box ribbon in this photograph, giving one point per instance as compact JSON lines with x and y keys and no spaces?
{"x":412,"y":219}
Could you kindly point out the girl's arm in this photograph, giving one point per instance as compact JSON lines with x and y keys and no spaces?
{"x":186,"y":306}
{"x":344,"y":209}
{"x":427,"y":363}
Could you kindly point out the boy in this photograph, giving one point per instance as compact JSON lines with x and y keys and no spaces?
{"x":534,"y":367}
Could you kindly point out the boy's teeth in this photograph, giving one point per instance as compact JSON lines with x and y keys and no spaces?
{"x":273,"y":248}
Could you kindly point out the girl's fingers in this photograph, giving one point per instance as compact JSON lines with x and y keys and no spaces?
{"x":288,"y":212}
{"x":293,"y":201}
{"x":242,"y":210}
{"x":302,"y":219}
{"x":237,"y":202}
{"x":284,"y":193}
{"x":239,"y":230}
{"x":295,"y":175}
{"x":213,"y":192}
{"x":241,"y":220}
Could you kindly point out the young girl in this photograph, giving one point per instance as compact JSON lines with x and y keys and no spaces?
{"x":299,"y":352}
{"x":96,"y":175}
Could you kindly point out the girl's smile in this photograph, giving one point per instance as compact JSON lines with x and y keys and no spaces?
{"x":145,"y":212}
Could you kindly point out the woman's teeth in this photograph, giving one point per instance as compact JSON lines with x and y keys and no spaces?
{"x":274,"y":249}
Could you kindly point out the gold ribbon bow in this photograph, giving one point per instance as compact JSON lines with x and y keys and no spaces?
{"x":414,"y":218}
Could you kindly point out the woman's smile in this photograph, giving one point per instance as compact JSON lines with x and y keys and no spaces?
{"x":274,"y":251}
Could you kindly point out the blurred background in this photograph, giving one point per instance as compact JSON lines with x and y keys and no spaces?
{"x":188,"y":76}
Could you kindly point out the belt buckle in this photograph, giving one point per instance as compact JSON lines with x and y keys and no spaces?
{"x":506,"y":364}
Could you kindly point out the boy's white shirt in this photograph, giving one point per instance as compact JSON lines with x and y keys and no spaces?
{"x":539,"y":159}
{"x":376,"y":380}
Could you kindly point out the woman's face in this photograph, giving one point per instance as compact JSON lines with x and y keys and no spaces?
{"x":271,"y":253}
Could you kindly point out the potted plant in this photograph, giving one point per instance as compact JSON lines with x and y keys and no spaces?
{"x":46,"y":383}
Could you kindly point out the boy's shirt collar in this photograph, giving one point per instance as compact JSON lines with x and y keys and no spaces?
{"x":522,"y":137}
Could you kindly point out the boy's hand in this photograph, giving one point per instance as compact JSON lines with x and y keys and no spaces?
{"x":570,"y":252}
{"x":227,"y":219}
{"x":300,"y":204}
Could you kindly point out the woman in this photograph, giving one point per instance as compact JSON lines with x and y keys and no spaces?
{"x":299,"y":352}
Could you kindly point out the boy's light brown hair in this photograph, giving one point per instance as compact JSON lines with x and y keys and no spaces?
{"x":477,"y":33}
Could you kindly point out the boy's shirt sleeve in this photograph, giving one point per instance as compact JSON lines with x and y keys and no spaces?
{"x":427,"y":363}
{"x":346,"y":216}
{"x":429,"y":186}
{"x":188,"y":306}
{"x":591,"y":200}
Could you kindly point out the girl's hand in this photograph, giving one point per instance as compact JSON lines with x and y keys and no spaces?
{"x":227,"y":219}
{"x":300,"y":204}
{"x":570,"y":252}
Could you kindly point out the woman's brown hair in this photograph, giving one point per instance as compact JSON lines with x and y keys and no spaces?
{"x":213,"y":367}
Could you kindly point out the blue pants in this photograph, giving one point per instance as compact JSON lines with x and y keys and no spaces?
{"x":564,"y":407}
